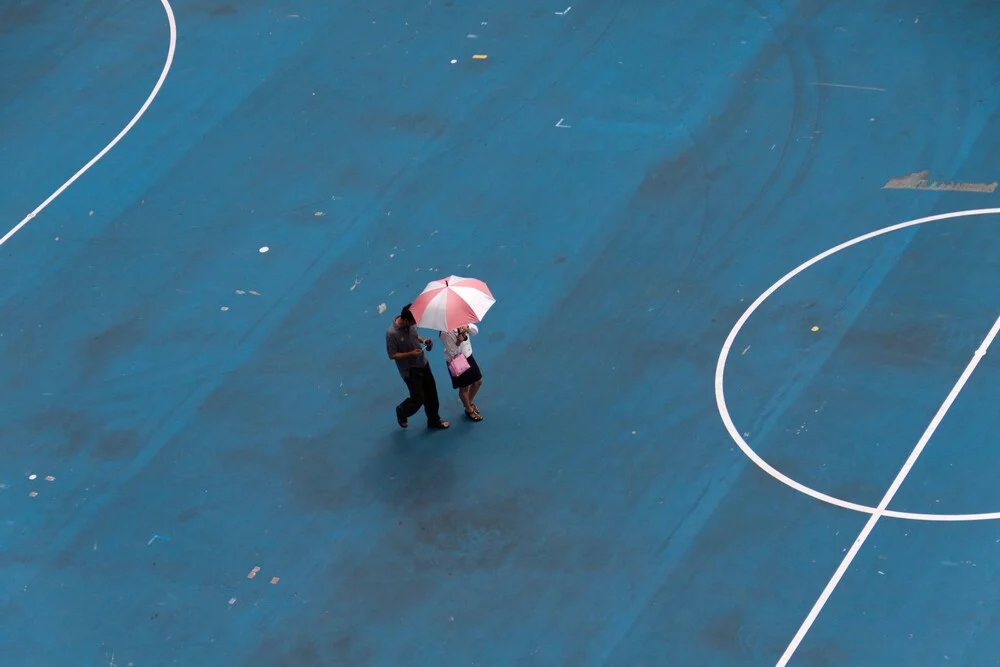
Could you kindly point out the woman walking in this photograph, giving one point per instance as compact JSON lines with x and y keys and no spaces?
{"x":465,"y":374}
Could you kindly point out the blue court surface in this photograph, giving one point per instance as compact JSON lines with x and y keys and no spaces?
{"x":707,"y":441}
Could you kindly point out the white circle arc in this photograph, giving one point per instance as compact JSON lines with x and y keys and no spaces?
{"x":737,"y":437}
{"x":171,"y":48}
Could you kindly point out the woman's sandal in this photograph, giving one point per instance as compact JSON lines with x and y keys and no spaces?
{"x":474,"y":415}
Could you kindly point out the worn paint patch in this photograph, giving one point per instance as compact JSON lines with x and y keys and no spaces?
{"x":918,"y":181}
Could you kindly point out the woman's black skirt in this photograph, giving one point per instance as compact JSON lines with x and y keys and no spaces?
{"x":469,"y":377}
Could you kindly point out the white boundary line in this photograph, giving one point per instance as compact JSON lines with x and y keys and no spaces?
{"x":734,"y":432}
{"x":128,"y":128}
{"x":887,"y":498}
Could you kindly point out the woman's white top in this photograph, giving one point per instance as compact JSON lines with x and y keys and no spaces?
{"x":451,"y":345}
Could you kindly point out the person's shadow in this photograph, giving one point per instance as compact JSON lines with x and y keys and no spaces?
{"x":412,"y":468}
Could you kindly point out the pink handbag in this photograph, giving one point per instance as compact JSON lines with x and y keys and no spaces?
{"x":458,"y":365}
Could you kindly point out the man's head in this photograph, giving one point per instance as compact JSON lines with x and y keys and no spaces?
{"x":406,"y":318}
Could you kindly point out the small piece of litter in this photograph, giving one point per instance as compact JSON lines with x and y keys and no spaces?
{"x":91,"y":213}
{"x":381,"y":308}
{"x":239,"y":291}
{"x":815,"y":329}
{"x":318,"y":214}
{"x":254,"y":293}
{"x":453,"y":61}
{"x":633,"y":432}
{"x":274,"y":580}
{"x":232,"y":601}
{"x":32,"y":476}
{"x":479,"y":56}
{"x":224,"y":308}
{"x":50,"y":478}
{"x":264,"y":249}
{"x":33,"y":494}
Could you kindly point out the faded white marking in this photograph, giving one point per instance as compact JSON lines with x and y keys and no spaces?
{"x":844,"y":85}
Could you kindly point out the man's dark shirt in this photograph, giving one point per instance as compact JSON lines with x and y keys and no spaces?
{"x":399,"y":339}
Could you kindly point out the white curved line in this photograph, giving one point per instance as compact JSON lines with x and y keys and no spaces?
{"x":720,"y":370}
{"x":128,"y":128}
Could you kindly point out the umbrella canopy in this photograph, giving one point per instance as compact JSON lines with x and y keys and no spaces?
{"x":453,"y":302}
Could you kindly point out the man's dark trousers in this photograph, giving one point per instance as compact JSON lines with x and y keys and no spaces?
{"x":423,"y":392}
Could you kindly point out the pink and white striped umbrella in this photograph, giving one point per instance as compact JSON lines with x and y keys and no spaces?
{"x":451,"y":303}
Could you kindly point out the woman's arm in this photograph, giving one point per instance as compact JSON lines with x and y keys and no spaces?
{"x":450,"y":340}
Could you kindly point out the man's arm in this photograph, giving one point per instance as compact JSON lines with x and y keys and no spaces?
{"x":426,"y":342}
{"x":405,"y":355}
{"x":392,"y":349}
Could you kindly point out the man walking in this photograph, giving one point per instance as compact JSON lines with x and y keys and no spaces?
{"x":405,"y":346}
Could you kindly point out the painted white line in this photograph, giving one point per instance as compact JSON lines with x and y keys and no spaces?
{"x":887,"y":498}
{"x":737,"y":436}
{"x":844,"y":85}
{"x":128,"y":128}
